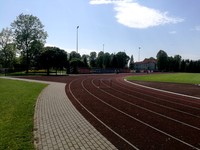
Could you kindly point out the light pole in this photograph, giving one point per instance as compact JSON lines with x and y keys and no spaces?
{"x":139,"y":54}
{"x":77,"y":39}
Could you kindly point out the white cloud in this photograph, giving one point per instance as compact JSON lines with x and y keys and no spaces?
{"x":134,"y":15}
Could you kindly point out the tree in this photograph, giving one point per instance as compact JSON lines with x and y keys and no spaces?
{"x":85,"y":59}
{"x":100,"y":59}
{"x":106,"y":60}
{"x":27,"y":30}
{"x":53,"y":57}
{"x":122,"y":59}
{"x":8,"y":56}
{"x":177,"y":63}
{"x":162,"y":60}
{"x":183,"y":66}
{"x":131,"y":65}
{"x":37,"y":48}
{"x":7,"y":48}
{"x":75,"y":62}
{"x":170,"y":64}
{"x":113,"y":61}
{"x":92,"y":59}
{"x":74,"y":54}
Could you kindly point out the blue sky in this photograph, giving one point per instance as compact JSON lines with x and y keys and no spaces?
{"x":121,"y":25}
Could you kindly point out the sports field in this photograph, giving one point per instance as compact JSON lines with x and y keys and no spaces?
{"x":193,"y":78}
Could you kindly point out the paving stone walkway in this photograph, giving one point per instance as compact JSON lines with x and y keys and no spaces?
{"x":59,"y":126}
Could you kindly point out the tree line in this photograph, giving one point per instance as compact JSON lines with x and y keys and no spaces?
{"x":22,"y":48}
{"x":176,"y":63}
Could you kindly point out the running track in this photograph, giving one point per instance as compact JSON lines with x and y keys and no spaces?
{"x":134,"y":117}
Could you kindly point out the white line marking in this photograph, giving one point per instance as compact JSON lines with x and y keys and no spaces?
{"x":163,"y":105}
{"x":163,"y":90}
{"x":183,"y":123}
{"x":100,"y":120}
{"x":140,"y":120}
{"x":173,"y":102}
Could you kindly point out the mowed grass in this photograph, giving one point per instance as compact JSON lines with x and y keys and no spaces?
{"x":191,"y":78}
{"x":17,"y":104}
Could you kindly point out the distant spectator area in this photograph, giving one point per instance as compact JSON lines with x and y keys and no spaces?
{"x":148,"y":64}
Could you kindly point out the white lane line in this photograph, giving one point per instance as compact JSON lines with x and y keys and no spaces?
{"x":183,"y":123}
{"x":174,"y":109}
{"x":100,"y":120}
{"x":159,"y":104}
{"x":163,"y":90}
{"x":183,"y":142}
{"x":172,"y":102}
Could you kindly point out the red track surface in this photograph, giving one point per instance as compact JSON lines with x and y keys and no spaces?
{"x":132,"y":117}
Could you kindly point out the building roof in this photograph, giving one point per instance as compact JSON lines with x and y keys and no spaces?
{"x":147,"y":60}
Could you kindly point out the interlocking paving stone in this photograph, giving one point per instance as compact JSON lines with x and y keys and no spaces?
{"x":58,"y":125}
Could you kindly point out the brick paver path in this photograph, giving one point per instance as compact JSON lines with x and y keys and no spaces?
{"x":59,"y":126}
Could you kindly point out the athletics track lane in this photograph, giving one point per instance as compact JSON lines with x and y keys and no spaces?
{"x":139,"y":118}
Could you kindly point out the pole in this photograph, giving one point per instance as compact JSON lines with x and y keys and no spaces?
{"x":77,"y":39}
{"x":139,"y":54}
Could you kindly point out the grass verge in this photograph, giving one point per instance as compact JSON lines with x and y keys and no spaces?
{"x":191,"y":78}
{"x":17,"y":103}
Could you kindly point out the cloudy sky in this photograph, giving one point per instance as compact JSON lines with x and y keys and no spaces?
{"x":119,"y":25}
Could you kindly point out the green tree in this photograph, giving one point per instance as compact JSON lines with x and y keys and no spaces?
{"x":170,"y":64}
{"x":114,"y":61}
{"x":122,"y":59}
{"x":37,"y":48}
{"x":183,"y":66}
{"x":27,"y":30}
{"x":177,"y":63}
{"x":191,"y":66}
{"x":92,"y":59}
{"x":100,"y":59}
{"x":106,"y":60}
{"x":75,"y":62}
{"x":7,"y":48}
{"x":74,"y":54}
{"x":85,"y":59}
{"x":53,"y":57}
{"x":162,"y":59}
{"x":131,"y":65}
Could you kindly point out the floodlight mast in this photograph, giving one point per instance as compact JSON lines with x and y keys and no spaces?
{"x":139,"y":54}
{"x":77,"y":38}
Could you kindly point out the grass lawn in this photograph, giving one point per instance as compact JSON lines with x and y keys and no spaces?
{"x":17,"y":102}
{"x":192,"y":78}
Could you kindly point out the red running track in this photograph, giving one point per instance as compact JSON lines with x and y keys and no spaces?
{"x":134,"y":117}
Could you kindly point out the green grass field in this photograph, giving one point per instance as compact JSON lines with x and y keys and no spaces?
{"x":192,"y":78}
{"x":17,"y":102}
